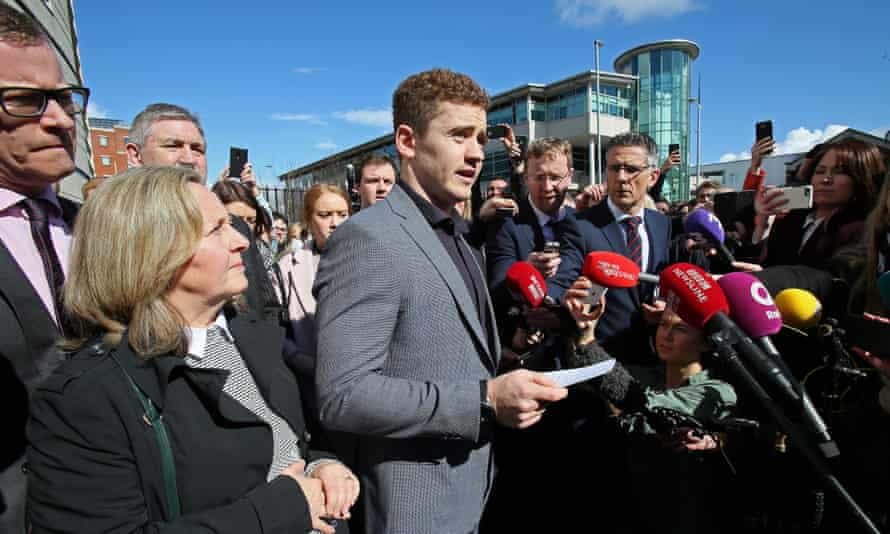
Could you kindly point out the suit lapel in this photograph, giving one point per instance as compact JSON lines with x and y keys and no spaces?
{"x":528,"y":217}
{"x":419,"y":230}
{"x":611,"y":230}
{"x":38,"y":327}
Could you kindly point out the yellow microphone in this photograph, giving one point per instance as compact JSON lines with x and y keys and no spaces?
{"x":799,"y":308}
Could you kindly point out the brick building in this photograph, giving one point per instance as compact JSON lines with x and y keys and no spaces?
{"x":108,"y":137}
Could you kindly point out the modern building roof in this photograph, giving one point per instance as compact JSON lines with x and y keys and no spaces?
{"x":689,"y":47}
{"x":106,"y":124}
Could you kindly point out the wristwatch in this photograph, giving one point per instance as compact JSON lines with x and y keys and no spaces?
{"x":487,"y":416}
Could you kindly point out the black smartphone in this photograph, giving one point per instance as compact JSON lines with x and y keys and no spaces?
{"x":728,"y":206}
{"x":497,"y":132}
{"x":673,"y":147}
{"x":763,"y":129}
{"x":237,"y":160}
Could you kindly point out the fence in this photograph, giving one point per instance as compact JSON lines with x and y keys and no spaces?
{"x":286,"y":201}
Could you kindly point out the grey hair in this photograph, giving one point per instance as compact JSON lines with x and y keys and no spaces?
{"x":141,"y":127}
{"x":636,"y":139}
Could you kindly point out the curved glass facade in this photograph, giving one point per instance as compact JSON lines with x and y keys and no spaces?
{"x":662,"y":109}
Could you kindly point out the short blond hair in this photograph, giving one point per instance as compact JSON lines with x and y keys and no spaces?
{"x":549,"y":145}
{"x":130,"y":243}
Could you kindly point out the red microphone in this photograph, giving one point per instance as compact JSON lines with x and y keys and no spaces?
{"x":610,"y":269}
{"x":693,"y":295}
{"x":526,"y":284}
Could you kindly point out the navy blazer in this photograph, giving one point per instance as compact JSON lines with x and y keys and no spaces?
{"x":622,"y":330}
{"x":510,"y":240}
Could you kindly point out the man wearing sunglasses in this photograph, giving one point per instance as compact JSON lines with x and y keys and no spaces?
{"x":37,"y":128}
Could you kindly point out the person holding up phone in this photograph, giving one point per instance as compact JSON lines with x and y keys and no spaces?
{"x":843,"y":184}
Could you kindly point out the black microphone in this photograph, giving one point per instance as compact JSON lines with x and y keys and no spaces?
{"x":617,"y":386}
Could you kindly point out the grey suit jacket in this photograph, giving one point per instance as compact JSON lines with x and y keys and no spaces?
{"x":401,"y":353}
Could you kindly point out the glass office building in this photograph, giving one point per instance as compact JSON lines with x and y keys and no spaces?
{"x":663,"y":70}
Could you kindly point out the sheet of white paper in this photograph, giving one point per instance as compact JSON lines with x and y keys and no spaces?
{"x":567,"y":377}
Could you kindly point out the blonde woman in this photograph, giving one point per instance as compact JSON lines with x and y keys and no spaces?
{"x":174,"y":412}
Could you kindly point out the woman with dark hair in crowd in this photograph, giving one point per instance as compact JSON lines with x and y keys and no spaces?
{"x":174,"y":412}
{"x":845,"y":178}
{"x":238,"y":200}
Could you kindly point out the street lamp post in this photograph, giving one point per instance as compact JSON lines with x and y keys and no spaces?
{"x":597,"y":44}
{"x":697,"y":102}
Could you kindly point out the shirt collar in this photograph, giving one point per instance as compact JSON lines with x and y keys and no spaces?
{"x":198,"y":335}
{"x":9,"y":198}
{"x":435,"y":216}
{"x":620,"y":215}
{"x":543,"y":218}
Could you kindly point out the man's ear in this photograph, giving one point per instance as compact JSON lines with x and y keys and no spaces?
{"x":653,"y":178}
{"x":134,"y":155}
{"x":405,"y":141}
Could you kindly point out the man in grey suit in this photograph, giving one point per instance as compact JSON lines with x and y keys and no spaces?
{"x":407,"y":347}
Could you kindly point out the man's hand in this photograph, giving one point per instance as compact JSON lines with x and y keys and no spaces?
{"x":760,"y":149}
{"x":652,"y":312}
{"x":519,"y":397}
{"x":489,"y":209}
{"x":671,"y":161}
{"x":590,"y":196}
{"x":341,"y":488}
{"x":546,"y":263}
{"x":312,"y":490}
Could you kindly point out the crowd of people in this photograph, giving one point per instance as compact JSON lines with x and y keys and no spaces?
{"x":181,"y":358}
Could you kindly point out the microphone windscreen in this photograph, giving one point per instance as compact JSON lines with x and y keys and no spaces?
{"x":751,"y":305}
{"x":617,"y":386}
{"x":525,"y":283}
{"x":702,"y":221}
{"x":799,"y":308}
{"x":610,"y":269}
{"x":884,"y":289}
{"x":692,"y":294}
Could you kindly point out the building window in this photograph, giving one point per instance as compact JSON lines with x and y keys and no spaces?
{"x":103,"y":140}
{"x":106,"y":161}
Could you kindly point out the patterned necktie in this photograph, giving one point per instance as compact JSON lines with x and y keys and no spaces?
{"x":39,"y":212}
{"x":220,"y":353}
{"x":634,"y":244}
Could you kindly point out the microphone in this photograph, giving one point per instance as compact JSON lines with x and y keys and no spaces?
{"x":610,"y":269}
{"x":525,"y":284}
{"x":703,"y":222}
{"x":884,"y":289}
{"x":800,"y":309}
{"x":756,"y":314}
{"x":700,"y":301}
{"x":617,"y":386}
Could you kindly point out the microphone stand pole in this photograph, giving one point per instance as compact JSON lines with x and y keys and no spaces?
{"x":723,"y":342}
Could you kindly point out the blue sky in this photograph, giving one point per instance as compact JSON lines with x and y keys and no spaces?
{"x":296,"y":81}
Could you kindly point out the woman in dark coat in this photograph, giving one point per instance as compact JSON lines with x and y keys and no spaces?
{"x":174,"y":413}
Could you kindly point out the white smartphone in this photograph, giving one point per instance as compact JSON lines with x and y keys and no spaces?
{"x":799,"y":198}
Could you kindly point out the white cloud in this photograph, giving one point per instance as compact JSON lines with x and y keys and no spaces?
{"x":583,"y":13}
{"x":95,"y":111}
{"x":367,"y":117}
{"x":880,"y":132}
{"x":308,"y":70}
{"x":729,"y":156}
{"x":297,"y":117}
{"x":326,"y":145}
{"x":801,"y":139}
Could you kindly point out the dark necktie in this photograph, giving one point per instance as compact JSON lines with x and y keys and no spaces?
{"x":634,"y":243}
{"x":39,"y":211}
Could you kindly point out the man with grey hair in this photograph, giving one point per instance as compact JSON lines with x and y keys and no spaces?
{"x":170,"y":135}
{"x":37,"y":132}
{"x":621,"y":224}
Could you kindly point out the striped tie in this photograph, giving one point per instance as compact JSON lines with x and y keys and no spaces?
{"x":634,"y":244}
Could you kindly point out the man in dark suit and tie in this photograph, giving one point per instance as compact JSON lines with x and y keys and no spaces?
{"x":621,"y":224}
{"x":37,"y":131}
{"x":407,"y":349}
{"x":548,"y":173}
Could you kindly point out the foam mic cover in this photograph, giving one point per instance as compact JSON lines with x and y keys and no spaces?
{"x":617,"y":386}
{"x":884,"y":289}
{"x":702,"y":221}
{"x":525,"y":283}
{"x":751,"y":305}
{"x":610,"y":269}
{"x":692,"y":294}
{"x":799,"y":308}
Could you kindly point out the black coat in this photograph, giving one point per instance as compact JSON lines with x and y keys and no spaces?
{"x":94,"y":464}
{"x":844,"y":228}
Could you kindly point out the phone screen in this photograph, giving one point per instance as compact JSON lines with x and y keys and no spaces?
{"x":674,"y":147}
{"x":497,"y":132}
{"x":237,"y":160}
